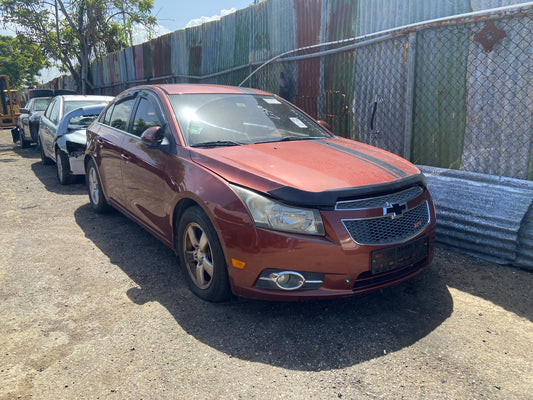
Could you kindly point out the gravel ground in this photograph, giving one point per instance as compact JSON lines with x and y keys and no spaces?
{"x":93,"y":307}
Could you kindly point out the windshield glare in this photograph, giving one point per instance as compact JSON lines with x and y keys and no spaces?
{"x":241,"y":119}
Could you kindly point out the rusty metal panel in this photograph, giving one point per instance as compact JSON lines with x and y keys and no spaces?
{"x":157,"y":50}
{"x":340,"y":22}
{"x":179,"y":54}
{"x":147,"y":60}
{"x":308,"y":23}
{"x":139,"y":61}
{"x":116,"y":68}
{"x":194,"y":48}
{"x":498,"y":139}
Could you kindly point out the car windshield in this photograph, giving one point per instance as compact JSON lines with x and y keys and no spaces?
{"x":211,"y":120}
{"x":81,"y":121}
{"x":41,"y":104}
{"x":73,"y":104}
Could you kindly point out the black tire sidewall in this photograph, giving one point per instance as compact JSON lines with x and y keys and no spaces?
{"x":65,"y":167}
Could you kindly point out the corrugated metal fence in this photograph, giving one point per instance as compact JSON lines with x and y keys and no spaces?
{"x":430,"y":92}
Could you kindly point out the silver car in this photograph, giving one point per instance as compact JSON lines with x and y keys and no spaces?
{"x":62,"y":132}
{"x":28,"y":123}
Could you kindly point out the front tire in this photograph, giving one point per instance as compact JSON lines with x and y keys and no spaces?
{"x":96,"y":195}
{"x":23,"y":142}
{"x":202,"y":257}
{"x":63,"y":168}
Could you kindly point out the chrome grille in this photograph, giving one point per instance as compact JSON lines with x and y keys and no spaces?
{"x":386,"y":230}
{"x":382,"y":201}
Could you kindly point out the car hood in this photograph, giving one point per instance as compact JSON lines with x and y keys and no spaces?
{"x":309,"y":171}
{"x":76,"y":136}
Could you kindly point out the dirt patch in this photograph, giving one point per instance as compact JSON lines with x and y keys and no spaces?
{"x":92,"y":306}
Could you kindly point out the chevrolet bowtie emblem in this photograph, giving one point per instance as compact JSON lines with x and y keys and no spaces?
{"x":395,"y":210}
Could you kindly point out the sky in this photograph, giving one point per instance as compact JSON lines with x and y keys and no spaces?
{"x":173,"y":15}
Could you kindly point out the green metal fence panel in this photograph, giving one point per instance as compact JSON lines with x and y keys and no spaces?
{"x":341,"y":22}
{"x":241,"y":50}
{"x":440,"y":96}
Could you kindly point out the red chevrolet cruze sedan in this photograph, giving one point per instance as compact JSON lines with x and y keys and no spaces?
{"x":257,"y":198}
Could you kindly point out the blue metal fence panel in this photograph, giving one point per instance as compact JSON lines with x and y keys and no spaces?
{"x":210,"y":41}
{"x":179,"y":54}
{"x":500,"y":131}
{"x":281,"y":26}
{"x":378,"y":15}
{"x":130,"y":64}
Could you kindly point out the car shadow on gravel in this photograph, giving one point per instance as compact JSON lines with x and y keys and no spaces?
{"x":29,"y":152}
{"x":47,"y":174}
{"x":315,"y":335}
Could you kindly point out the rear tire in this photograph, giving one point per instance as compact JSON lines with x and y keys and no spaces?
{"x":23,"y":142}
{"x":94,"y":185}
{"x":46,"y":160}
{"x":63,"y":168}
{"x":201,"y":255}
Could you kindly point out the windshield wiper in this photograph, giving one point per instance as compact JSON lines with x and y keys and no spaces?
{"x":291,"y":138}
{"x":217,"y":143}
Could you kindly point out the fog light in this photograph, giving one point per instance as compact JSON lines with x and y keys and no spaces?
{"x":288,"y":280}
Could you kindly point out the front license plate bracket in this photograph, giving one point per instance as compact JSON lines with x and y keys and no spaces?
{"x":391,"y":258}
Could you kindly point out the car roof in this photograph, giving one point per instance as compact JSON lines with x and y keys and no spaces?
{"x":79,"y":97}
{"x":198,"y":88}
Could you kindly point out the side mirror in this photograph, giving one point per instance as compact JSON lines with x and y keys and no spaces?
{"x":324,"y":125}
{"x":24,"y":110}
{"x":152,"y":136}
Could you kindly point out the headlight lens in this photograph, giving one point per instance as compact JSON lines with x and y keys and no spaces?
{"x":269,"y":214}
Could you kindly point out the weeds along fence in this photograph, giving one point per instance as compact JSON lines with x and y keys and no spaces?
{"x":454,"y":92}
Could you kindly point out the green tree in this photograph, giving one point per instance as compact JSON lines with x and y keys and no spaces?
{"x":75,"y":32}
{"x":21,"y":60}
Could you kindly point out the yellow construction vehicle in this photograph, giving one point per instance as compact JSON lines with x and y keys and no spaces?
{"x":9,"y":110}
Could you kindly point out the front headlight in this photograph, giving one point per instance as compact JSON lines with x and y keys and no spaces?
{"x":270,"y":214}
